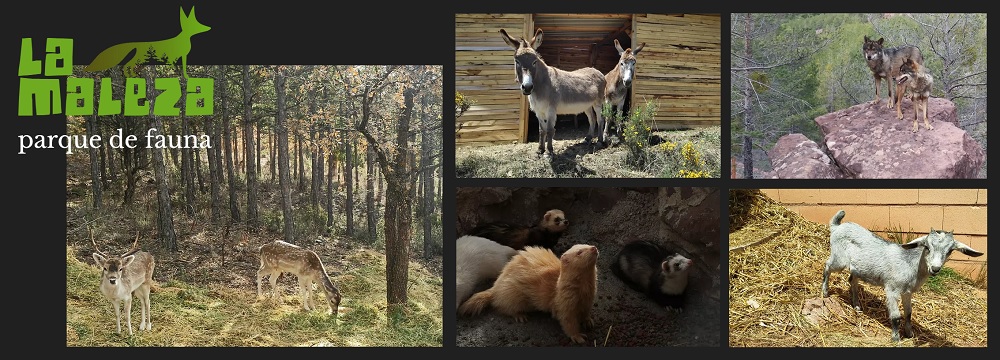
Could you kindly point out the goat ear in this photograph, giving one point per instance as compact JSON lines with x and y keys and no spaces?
{"x":965,"y":249}
{"x":920,"y":241}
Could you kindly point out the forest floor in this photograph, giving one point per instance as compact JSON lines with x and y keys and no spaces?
{"x":217,"y":256}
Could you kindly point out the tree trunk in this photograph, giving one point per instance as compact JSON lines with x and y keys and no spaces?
{"x":165,"y":217}
{"x":329,"y":191}
{"x":225,"y":125}
{"x":301,"y":169}
{"x":253,"y":219}
{"x":281,"y":133}
{"x":214,"y":171}
{"x":748,"y":120}
{"x":397,"y":218}
{"x":95,"y":169}
{"x":428,"y":184}
{"x":187,"y":157}
{"x":371,"y":213}
{"x":349,"y":206}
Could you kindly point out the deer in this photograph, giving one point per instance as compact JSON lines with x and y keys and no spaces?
{"x":125,"y":276}
{"x":279,"y":257}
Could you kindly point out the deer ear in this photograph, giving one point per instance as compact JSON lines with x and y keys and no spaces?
{"x":99,"y":259}
{"x":127,"y":260}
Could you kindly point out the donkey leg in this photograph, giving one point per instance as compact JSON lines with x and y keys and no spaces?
{"x":550,"y":133}
{"x":541,"y":136}
{"x":592,"y":123}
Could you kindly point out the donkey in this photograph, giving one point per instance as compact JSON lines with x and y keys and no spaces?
{"x":552,"y":91}
{"x":619,"y":81}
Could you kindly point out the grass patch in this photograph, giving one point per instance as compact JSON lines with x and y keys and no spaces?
{"x":185,"y":314}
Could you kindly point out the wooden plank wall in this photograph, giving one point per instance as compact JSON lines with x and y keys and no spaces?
{"x":680,"y":68}
{"x":484,"y":72}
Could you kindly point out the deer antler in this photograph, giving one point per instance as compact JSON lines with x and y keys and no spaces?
{"x":135,"y":248}
{"x":95,"y":243}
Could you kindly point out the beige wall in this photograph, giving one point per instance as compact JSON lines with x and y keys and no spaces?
{"x":913,"y":210}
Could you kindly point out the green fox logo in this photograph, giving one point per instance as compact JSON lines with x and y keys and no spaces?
{"x":168,"y":51}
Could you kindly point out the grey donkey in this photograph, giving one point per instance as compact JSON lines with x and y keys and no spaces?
{"x":899,"y":268}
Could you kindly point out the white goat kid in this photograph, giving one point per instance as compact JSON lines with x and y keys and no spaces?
{"x":898,"y":268}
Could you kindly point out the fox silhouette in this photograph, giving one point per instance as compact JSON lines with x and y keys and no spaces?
{"x":171,"y":50}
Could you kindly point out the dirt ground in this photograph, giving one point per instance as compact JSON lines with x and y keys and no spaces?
{"x":575,"y":159}
{"x":686,"y":219}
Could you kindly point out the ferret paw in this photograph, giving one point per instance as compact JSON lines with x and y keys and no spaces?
{"x":589,"y":323}
{"x":520,"y":319}
{"x":579,"y":338}
{"x":672,"y":309}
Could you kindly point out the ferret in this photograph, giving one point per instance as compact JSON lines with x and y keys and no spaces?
{"x":477,"y":259}
{"x":650,"y":268}
{"x":536,"y":280}
{"x":545,"y":234}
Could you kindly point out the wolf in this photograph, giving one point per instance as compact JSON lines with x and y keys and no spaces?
{"x":913,"y":77}
{"x":170,"y":50}
{"x":884,"y":64}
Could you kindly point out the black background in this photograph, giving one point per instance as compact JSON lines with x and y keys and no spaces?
{"x":345,"y":32}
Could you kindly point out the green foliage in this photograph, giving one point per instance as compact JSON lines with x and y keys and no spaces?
{"x":462,"y":103}
{"x":635,"y":133}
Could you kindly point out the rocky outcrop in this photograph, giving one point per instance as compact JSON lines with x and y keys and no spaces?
{"x":867,"y":141}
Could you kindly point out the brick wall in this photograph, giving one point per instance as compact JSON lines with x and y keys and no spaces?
{"x":911,"y":210}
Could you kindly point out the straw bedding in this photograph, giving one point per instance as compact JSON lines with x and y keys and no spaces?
{"x":776,"y":261}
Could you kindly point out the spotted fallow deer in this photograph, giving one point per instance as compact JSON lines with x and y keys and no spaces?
{"x":278,"y":256}
{"x":125,"y":276}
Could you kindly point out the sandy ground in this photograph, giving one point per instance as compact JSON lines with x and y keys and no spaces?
{"x":622,"y":316}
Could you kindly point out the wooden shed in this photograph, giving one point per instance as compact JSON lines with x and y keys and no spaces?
{"x":680,"y":67}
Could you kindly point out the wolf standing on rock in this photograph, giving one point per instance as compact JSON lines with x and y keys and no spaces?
{"x":885,"y":62}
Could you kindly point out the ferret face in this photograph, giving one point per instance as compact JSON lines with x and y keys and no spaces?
{"x":555,"y":221}
{"x":580,"y":254}
{"x":676,"y":264}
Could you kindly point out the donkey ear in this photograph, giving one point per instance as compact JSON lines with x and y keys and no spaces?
{"x":636,"y":50}
{"x":536,"y":40}
{"x":618,"y":46}
{"x":510,"y":41}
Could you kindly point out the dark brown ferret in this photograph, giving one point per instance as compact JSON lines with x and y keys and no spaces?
{"x":536,"y":280}
{"x":545,"y":234}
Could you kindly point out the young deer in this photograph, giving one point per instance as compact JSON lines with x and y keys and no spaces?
{"x":279,"y":256}
{"x":124,"y":276}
